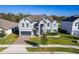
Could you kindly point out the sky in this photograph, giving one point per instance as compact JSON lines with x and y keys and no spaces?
{"x":59,"y":10}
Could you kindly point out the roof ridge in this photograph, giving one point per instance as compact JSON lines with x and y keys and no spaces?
{"x":70,"y":19}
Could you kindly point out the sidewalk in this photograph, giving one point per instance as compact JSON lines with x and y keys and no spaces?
{"x":54,"y":45}
{"x":58,"y":52}
{"x":15,"y":48}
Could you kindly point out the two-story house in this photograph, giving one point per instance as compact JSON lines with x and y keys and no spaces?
{"x":71,"y":25}
{"x":37,"y":25}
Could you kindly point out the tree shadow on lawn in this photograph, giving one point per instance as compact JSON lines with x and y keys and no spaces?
{"x":32,"y":43}
{"x":72,"y":37}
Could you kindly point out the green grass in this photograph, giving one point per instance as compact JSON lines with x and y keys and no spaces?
{"x":64,"y":39}
{"x":52,"y":49}
{"x":2,"y":48}
{"x":9,"y":39}
{"x":51,"y":34}
{"x":59,"y":24}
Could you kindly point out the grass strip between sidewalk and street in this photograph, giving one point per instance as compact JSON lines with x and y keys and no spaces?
{"x":2,"y":48}
{"x":53,"y":49}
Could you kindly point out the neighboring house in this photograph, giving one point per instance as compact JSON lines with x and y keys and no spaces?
{"x":37,"y":25}
{"x":7,"y":26}
{"x":54,"y":26}
{"x":71,"y":25}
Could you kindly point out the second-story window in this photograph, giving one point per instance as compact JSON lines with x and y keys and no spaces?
{"x":54,"y":24}
{"x":27,"y":25}
{"x":22,"y":24}
{"x":75,"y":24}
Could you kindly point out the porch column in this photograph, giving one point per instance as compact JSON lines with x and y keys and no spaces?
{"x":32,"y":34}
{"x":39,"y":30}
{"x":72,"y":33}
{"x":44,"y":28}
{"x":19,"y":33}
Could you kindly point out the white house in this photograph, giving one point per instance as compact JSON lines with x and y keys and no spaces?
{"x":71,"y":25}
{"x":37,"y":25}
{"x":7,"y":26}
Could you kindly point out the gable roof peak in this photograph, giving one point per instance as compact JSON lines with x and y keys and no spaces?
{"x":34,"y":18}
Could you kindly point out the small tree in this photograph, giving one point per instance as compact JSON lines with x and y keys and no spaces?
{"x":2,"y":33}
{"x":43,"y":39}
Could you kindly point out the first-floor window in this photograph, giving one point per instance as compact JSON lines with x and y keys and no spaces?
{"x":78,"y":25}
{"x":47,"y":24}
{"x":54,"y":30}
{"x":48,"y":30}
{"x":27,"y":25}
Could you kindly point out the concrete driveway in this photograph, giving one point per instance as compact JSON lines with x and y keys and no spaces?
{"x":21,"y":40}
{"x":18,"y":46}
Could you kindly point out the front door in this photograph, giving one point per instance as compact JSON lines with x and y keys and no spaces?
{"x":35,"y":29}
{"x":41,"y":29}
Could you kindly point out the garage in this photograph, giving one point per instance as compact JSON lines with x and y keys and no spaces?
{"x":25,"y":32}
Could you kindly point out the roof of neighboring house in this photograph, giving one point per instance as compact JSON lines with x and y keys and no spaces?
{"x":71,"y":19}
{"x":35,"y":18}
{"x":5,"y":24}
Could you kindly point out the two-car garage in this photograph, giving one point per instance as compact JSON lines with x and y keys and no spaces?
{"x":25,"y":32}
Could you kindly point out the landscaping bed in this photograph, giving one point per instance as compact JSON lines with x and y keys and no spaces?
{"x":9,"y":39}
{"x":53,"y":49}
{"x":64,"y":39}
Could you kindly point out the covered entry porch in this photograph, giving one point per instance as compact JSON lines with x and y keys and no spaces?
{"x":38,"y":29}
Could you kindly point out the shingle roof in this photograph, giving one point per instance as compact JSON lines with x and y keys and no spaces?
{"x":71,"y":19}
{"x":34,"y":18}
{"x":5,"y":24}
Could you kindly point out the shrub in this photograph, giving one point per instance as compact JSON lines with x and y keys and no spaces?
{"x":43,"y":39}
{"x":63,"y":31}
{"x":54,"y":33}
{"x":48,"y":34}
{"x":2,"y":33}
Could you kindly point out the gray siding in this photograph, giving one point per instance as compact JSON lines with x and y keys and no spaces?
{"x":66,"y":26}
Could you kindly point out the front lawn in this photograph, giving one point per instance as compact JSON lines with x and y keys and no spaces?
{"x":64,"y":39}
{"x":9,"y":39}
{"x":53,"y":49}
{"x":52,"y":34}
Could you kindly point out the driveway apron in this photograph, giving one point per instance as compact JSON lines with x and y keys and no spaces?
{"x":18,"y":46}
